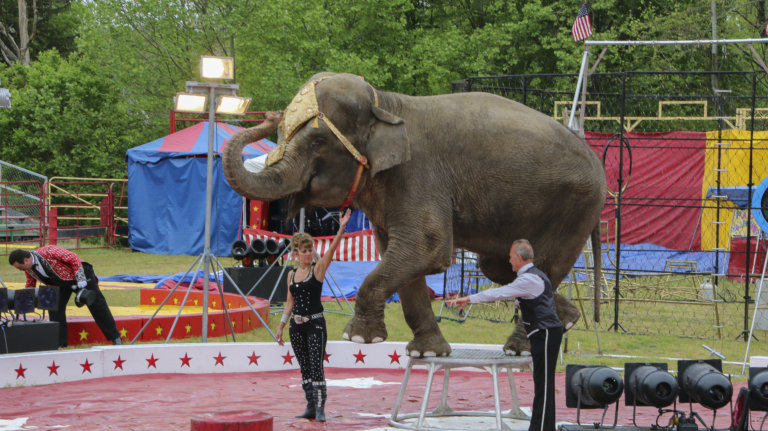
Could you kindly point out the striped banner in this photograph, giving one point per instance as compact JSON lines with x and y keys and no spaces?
{"x":355,"y":247}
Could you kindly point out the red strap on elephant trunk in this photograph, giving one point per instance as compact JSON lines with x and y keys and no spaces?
{"x":353,"y":190}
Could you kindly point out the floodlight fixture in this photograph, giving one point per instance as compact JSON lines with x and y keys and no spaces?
{"x":47,"y":297}
{"x":272,"y":246}
{"x":217,"y":67}
{"x":758,"y":388}
{"x":592,"y":387}
{"x":232,"y":105}
{"x":258,"y":248}
{"x":239,"y":249}
{"x":188,"y":102}
{"x":649,"y":384}
{"x":702,"y":381}
{"x":22,"y":300}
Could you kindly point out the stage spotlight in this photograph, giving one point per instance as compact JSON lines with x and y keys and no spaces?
{"x":649,"y":385}
{"x":3,"y":299}
{"x":47,"y":297}
{"x":258,"y":248}
{"x":271,"y":246}
{"x":758,"y":388}
{"x":273,"y":249}
{"x":241,"y":252}
{"x":239,"y":249}
{"x":283,"y":246}
{"x":592,"y":387}
{"x":701,"y":381}
{"x":22,"y":300}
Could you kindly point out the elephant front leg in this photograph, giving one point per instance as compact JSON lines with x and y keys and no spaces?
{"x":417,"y":308}
{"x":367,"y":324}
{"x":403,"y":266}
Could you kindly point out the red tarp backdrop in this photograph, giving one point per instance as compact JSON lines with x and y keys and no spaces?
{"x":661,"y":202}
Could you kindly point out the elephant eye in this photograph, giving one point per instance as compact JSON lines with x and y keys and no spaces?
{"x":317,"y":142}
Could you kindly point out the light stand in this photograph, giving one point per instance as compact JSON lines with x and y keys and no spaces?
{"x":207,"y":257}
{"x":193,"y":101}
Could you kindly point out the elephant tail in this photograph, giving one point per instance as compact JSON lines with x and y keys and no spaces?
{"x":598,"y":265}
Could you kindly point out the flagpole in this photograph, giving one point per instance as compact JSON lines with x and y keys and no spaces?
{"x":582,"y":71}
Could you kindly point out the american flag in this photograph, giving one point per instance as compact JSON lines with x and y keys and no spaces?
{"x":581,"y":27}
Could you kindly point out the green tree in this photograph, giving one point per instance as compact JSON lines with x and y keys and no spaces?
{"x":65,"y":120}
{"x":29,"y":28}
{"x":149,"y":49}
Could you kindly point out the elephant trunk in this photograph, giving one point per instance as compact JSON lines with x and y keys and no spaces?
{"x":268,"y":185}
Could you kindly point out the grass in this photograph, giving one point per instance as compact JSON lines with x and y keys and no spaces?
{"x":108,"y":262}
{"x":583,"y":345}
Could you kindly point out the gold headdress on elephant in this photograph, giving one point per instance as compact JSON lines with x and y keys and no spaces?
{"x":303,"y":108}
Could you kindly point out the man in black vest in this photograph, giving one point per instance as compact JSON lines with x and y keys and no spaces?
{"x":536,"y":301}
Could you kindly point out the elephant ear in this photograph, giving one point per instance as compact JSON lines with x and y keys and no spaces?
{"x":388,"y":144}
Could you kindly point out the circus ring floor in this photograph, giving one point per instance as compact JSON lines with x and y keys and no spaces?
{"x":163,"y":386}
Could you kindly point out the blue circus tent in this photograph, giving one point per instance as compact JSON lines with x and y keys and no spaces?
{"x":166,"y":192}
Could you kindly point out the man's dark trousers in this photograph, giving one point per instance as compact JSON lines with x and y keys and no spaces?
{"x":99,"y":310}
{"x":545,"y":346}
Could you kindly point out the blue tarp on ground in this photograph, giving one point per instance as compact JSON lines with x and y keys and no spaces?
{"x":167,"y":190}
{"x":646,"y":259}
{"x":344,"y":278}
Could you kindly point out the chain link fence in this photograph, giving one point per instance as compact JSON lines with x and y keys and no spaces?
{"x":683,"y":152}
{"x":22,"y":208}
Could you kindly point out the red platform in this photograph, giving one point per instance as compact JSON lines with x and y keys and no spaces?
{"x":83,"y":330}
{"x":232,"y":421}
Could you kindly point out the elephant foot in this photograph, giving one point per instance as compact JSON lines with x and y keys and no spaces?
{"x":517,"y":344}
{"x":567,"y":312}
{"x":428,"y":346}
{"x":365,"y":331}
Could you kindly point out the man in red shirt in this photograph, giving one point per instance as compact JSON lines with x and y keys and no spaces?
{"x":56,"y":266}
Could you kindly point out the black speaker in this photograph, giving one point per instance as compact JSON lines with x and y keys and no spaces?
{"x":23,"y":336}
{"x":246,"y":277}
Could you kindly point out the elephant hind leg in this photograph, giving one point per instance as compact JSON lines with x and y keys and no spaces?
{"x":567,"y":312}
{"x":517,"y":343}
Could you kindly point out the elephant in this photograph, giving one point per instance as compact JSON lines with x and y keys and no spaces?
{"x":432,"y":173}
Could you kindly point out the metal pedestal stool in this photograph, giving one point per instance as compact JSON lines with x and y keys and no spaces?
{"x":490,"y":360}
